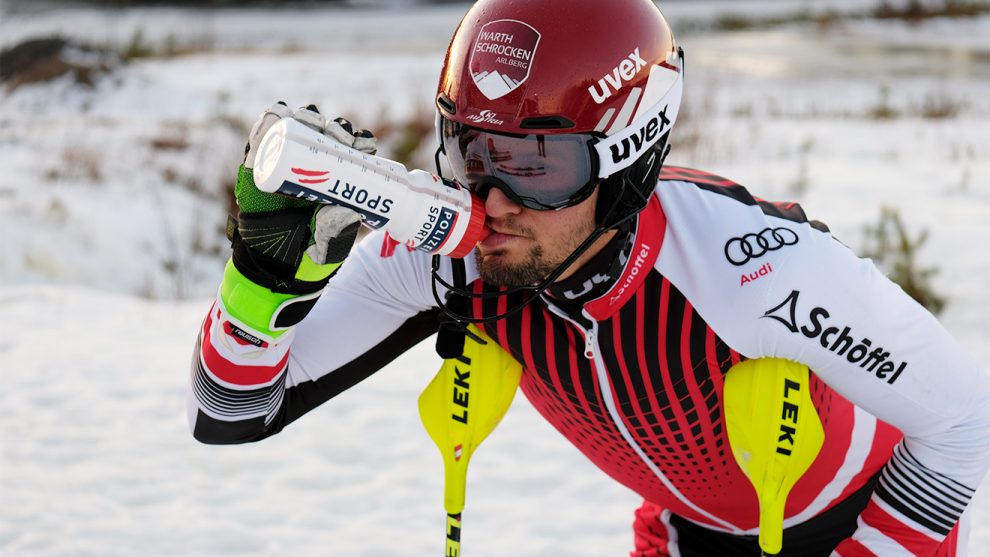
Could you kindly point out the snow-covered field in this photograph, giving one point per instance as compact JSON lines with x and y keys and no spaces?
{"x":111,"y":211}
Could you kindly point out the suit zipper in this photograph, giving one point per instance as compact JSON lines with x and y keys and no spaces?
{"x":593,"y":353}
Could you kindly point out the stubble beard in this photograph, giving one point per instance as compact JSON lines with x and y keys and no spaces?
{"x":536,"y":266}
{"x":531,"y":271}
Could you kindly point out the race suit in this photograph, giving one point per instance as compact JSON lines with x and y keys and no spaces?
{"x":626,"y":359}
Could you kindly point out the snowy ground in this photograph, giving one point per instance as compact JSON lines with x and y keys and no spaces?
{"x":111,"y":208}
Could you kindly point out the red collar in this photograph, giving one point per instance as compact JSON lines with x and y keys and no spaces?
{"x":647,"y":239}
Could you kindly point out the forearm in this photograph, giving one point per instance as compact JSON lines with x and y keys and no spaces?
{"x":922,"y":493}
{"x":865,"y":338}
{"x":240,"y":392}
{"x":284,"y":251}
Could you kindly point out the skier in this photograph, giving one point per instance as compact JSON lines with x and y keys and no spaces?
{"x":625,"y":298}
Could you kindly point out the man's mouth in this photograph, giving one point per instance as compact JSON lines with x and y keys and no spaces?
{"x":499,"y":236}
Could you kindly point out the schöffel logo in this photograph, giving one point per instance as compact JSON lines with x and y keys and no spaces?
{"x":644,"y":252}
{"x":612,"y":81}
{"x":838,"y":340}
{"x":502,"y":56}
{"x":634,"y":145}
{"x":740,"y":251}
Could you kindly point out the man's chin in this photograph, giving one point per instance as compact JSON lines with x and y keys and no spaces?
{"x":498,"y":269}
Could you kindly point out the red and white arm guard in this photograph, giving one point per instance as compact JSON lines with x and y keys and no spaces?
{"x":237,"y":378}
{"x":246,"y":385}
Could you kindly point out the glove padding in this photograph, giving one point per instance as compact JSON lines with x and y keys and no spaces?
{"x":285,"y":249}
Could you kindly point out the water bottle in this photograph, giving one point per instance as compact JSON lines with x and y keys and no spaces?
{"x":424,"y":211}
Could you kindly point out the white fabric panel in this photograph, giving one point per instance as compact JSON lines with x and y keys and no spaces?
{"x":941,"y":397}
{"x":369,"y":298}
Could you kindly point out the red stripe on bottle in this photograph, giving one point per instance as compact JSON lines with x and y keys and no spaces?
{"x":304,"y":172}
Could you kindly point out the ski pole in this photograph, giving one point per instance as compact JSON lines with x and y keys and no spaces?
{"x":775,"y":434}
{"x":459,"y":408}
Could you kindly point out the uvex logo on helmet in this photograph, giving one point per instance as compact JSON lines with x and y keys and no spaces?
{"x":612,"y":81}
{"x":502,"y":56}
{"x":636,"y":143}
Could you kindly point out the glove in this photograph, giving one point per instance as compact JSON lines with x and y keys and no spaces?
{"x":285,"y":249}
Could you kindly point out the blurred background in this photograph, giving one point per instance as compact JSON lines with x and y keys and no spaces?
{"x":122,"y":125}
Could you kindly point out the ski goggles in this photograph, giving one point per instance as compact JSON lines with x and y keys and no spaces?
{"x":548,"y":172}
{"x":541,"y":172}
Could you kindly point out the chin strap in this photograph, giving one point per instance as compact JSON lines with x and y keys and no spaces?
{"x":628,"y":192}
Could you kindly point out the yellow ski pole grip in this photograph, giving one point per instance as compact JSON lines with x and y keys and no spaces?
{"x":775,"y":434}
{"x":463,"y":403}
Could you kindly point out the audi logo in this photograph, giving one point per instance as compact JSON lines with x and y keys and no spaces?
{"x":740,"y":251}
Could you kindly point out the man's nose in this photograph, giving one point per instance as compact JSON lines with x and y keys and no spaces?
{"x":499,"y":205}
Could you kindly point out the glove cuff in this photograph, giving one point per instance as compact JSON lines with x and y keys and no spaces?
{"x":263,"y":310}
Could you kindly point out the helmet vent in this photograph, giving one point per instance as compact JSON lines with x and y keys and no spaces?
{"x":546,"y":123}
{"x":447,"y":105}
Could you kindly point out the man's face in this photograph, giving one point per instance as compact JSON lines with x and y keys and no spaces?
{"x":526,"y":245}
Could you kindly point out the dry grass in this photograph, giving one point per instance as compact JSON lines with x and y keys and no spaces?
{"x":917,"y":10}
{"x":402,"y":139}
{"x":896,"y":253}
{"x":174,"y":142}
{"x":77,"y":163}
{"x":941,"y":106}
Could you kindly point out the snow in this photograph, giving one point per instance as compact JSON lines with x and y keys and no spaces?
{"x":112,"y":206}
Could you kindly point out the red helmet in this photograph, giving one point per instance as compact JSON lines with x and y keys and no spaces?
{"x":609,"y":68}
{"x":548,"y":100}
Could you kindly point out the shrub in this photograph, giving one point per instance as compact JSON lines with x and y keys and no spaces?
{"x":896,"y":253}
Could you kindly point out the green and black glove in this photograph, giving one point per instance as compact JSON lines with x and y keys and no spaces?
{"x":285,"y":249}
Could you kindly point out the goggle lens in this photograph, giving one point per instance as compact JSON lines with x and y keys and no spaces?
{"x":541,"y":172}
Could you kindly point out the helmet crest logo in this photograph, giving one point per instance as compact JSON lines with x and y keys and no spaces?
{"x":502,"y":56}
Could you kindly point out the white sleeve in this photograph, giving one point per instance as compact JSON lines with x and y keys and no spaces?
{"x":795,"y":292}
{"x":245,"y":388}
{"x":371,"y":296}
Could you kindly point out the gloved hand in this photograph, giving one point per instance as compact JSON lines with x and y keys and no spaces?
{"x":285,"y":249}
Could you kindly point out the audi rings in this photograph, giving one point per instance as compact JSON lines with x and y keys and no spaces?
{"x":740,"y":251}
